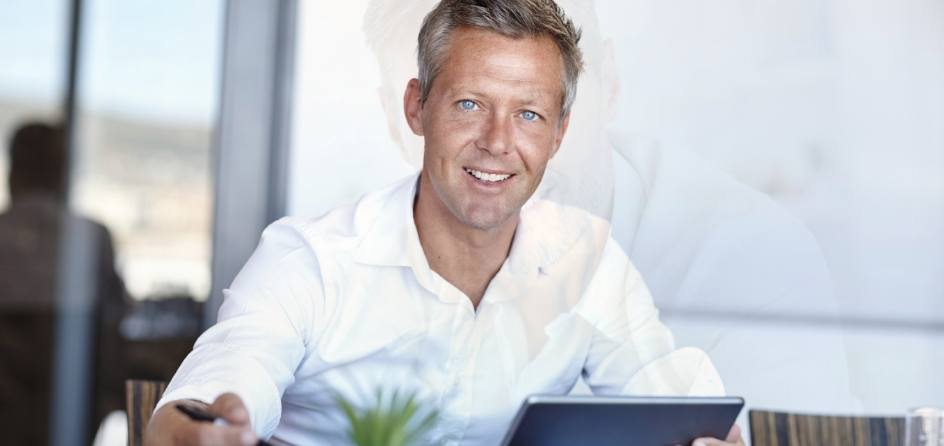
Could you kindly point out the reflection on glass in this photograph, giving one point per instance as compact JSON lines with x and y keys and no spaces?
{"x":147,"y":99}
{"x":147,"y":96}
{"x":32,"y":48}
{"x":780,"y":194}
{"x":104,"y":246}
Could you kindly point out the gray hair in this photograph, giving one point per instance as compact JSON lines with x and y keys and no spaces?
{"x":511,"y":18}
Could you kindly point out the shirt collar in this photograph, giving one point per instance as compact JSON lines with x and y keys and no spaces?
{"x":392,"y":240}
{"x":546,"y":232}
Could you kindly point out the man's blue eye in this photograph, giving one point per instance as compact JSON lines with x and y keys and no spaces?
{"x":467,"y":105}
{"x":529,"y":115}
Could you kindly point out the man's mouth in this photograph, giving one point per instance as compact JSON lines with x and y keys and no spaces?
{"x":488,"y":177}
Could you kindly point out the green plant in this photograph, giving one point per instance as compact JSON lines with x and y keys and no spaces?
{"x":392,"y":421}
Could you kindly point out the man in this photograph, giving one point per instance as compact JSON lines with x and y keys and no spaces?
{"x":34,"y":306}
{"x":454,"y":285}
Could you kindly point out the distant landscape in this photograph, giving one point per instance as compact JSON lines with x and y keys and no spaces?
{"x":149,"y":183}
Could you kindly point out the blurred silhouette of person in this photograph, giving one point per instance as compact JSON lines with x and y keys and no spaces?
{"x":32,"y":238}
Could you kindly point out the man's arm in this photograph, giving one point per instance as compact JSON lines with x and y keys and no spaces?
{"x":241,"y":366}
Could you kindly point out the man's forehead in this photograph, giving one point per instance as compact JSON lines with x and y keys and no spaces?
{"x":480,"y":58}
{"x":484,"y":42}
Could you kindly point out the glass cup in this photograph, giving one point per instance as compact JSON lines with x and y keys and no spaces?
{"x":924,"y":426}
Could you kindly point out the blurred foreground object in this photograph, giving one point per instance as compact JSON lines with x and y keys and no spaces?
{"x":141,"y":396}
{"x":924,"y":426}
{"x":788,"y":429}
{"x":392,"y":421}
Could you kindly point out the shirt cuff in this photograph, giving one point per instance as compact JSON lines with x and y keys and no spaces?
{"x":251,"y":383}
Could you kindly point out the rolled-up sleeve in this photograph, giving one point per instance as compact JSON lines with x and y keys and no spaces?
{"x":264,"y":328}
{"x":632,"y":352}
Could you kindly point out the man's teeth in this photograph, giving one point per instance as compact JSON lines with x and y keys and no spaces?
{"x":490,"y":177}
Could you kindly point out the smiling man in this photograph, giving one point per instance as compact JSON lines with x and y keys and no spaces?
{"x":455,"y":285}
{"x":491,"y":121}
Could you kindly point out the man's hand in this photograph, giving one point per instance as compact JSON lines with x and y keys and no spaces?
{"x":734,"y":439}
{"x":170,"y":427}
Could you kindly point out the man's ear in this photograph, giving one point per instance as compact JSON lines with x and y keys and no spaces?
{"x":561,"y":130}
{"x":413,"y":106}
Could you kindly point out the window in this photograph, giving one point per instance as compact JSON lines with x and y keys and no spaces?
{"x":103,"y":276}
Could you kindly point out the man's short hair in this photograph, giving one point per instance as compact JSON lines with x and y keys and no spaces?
{"x":512,"y":18}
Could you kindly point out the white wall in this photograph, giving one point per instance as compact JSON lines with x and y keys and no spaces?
{"x":833,"y":109}
{"x":340,"y":148}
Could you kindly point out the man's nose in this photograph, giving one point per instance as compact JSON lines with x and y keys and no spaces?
{"x":496,"y":136}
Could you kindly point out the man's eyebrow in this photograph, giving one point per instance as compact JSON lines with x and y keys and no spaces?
{"x":537,"y":98}
{"x":462,"y":91}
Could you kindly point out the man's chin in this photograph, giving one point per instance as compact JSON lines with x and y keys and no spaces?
{"x":486,"y":221}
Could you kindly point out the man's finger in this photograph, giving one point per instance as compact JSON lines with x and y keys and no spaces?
{"x":734,"y":435}
{"x":207,"y":434}
{"x":733,"y":439}
{"x":708,"y":442}
{"x":230,"y":407}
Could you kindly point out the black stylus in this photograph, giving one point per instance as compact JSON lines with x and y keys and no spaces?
{"x":198,"y":414}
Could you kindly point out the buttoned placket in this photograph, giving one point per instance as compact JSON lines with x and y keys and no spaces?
{"x":461,"y":349}
{"x":467,"y":332}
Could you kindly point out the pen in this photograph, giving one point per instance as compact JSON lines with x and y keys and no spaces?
{"x":198,"y":414}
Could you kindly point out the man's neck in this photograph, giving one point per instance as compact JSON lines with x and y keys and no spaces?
{"x":465,"y":256}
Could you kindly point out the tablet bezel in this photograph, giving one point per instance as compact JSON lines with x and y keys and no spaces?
{"x":580,"y":400}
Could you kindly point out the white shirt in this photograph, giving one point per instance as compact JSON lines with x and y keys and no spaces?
{"x":347,"y":304}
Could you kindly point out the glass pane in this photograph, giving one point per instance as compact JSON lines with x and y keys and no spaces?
{"x":33,"y":46}
{"x":147,"y":95}
{"x":777,"y":174}
{"x":828,"y":297}
{"x":102,"y":278}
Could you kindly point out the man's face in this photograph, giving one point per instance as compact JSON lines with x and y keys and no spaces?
{"x":491,"y":122}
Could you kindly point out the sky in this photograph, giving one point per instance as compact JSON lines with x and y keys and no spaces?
{"x":148,"y":59}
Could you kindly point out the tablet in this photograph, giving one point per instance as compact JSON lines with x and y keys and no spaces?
{"x":604,"y":421}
